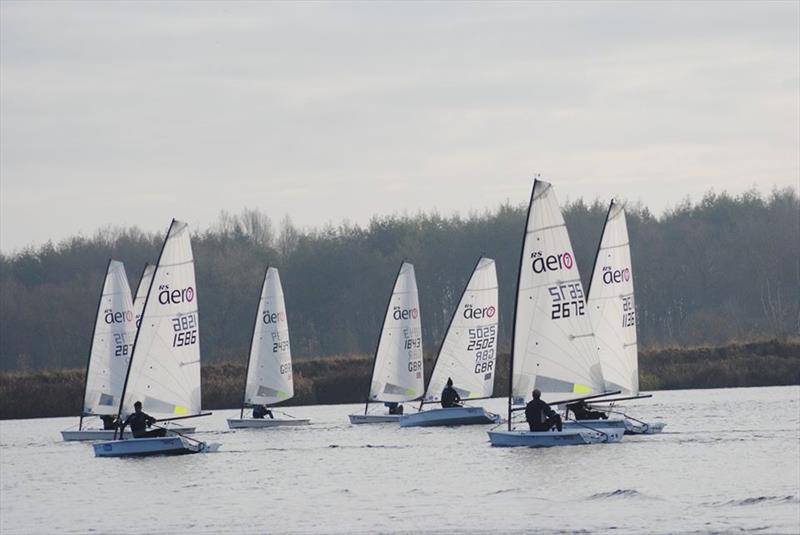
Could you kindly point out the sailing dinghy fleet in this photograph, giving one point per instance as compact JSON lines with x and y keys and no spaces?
{"x":577,"y":349}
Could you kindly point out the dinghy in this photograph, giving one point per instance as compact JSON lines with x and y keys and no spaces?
{"x":112,"y":340}
{"x":612,"y":311}
{"x":553,"y":346}
{"x":467,"y":355}
{"x":164,"y":367}
{"x":397,"y":368}
{"x":269,"y":368}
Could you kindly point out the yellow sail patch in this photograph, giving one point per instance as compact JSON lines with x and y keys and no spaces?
{"x":581,"y":389}
{"x":180,"y":410}
{"x":410,"y":391}
{"x":281,"y":394}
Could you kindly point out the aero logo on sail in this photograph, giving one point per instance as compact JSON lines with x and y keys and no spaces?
{"x":610,"y":276}
{"x":472,"y":313}
{"x":553,"y":262}
{"x":175,"y":297}
{"x":118,"y":317}
{"x":404,"y":314}
{"x":273,"y":317}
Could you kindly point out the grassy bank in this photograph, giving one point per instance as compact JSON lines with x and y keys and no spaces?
{"x":345,"y":379}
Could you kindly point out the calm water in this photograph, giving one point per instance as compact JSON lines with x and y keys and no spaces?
{"x":729,"y":461}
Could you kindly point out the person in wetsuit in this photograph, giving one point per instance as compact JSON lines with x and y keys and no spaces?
{"x":582,"y":411}
{"x":540,"y":416}
{"x":109,"y":421}
{"x":450,"y":397}
{"x":259,"y":411}
{"x":139,"y":422}
{"x":394,"y":407}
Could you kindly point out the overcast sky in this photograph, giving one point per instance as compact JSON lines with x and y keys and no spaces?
{"x":115,"y":113}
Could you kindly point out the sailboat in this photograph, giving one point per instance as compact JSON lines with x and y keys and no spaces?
{"x":467,"y":355}
{"x":553,"y":346}
{"x":397,"y":374}
{"x":164,"y":368}
{"x":612,"y":311}
{"x":269,"y":368}
{"x":112,"y":339}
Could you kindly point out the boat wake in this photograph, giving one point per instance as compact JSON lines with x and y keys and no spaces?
{"x":619,"y":493}
{"x":759,"y":500}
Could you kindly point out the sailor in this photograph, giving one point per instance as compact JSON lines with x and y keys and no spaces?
{"x":109,"y":421}
{"x":394,"y":407}
{"x":450,"y":397}
{"x":259,"y":411}
{"x":539,"y":415}
{"x":582,"y":411}
{"x":139,"y":422}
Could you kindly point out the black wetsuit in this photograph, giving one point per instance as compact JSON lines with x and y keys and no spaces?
{"x":541,"y":417}
{"x":259,"y":411}
{"x":109,"y":422}
{"x":582,"y":412}
{"x":450,"y":397}
{"x":139,"y":421}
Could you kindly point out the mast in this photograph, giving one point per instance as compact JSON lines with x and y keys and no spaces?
{"x":91,"y":346}
{"x":144,"y":270}
{"x":252,"y":337}
{"x":380,"y":334}
{"x":516,"y":305}
{"x":597,"y":253}
{"x":452,"y":317}
{"x":139,"y":330}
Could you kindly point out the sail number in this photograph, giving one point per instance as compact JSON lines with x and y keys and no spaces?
{"x":121,"y":347}
{"x":628,"y":312}
{"x":481,"y":340}
{"x":567,"y":300}
{"x":185,"y":328}
{"x":413,"y":344}
{"x":279,"y":343}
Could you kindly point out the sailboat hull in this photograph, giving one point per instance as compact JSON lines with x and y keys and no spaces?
{"x":450,"y":416}
{"x":145,"y":447}
{"x":258,"y":423}
{"x":108,"y":434}
{"x":616,"y":424}
{"x":643,"y":428}
{"x":357,"y":419}
{"x":547,"y":439}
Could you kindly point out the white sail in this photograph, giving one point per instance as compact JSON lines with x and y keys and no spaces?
{"x":269,"y":370}
{"x":164,"y":373}
{"x":611,"y":305}
{"x":554,"y":348}
{"x":112,"y":343}
{"x":141,"y":291}
{"x":397,"y":375}
{"x":468,"y":352}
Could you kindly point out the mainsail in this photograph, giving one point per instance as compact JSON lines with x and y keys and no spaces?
{"x":553,"y":344}
{"x":469,"y":349}
{"x":397,"y":373}
{"x":141,"y":291}
{"x":112,"y":341}
{"x":611,"y":305}
{"x":269,"y":369}
{"x":164,"y":372}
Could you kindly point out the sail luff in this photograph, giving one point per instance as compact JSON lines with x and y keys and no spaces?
{"x":91,"y":347}
{"x":252,"y":338}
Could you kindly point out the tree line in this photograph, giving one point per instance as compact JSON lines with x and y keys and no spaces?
{"x":722,"y":269}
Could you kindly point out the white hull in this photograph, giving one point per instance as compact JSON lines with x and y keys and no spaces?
{"x":108,"y":434}
{"x":450,"y":416}
{"x":142,"y":447}
{"x":546,"y":439}
{"x":356,"y":419}
{"x":616,"y":424}
{"x":636,"y":428}
{"x":259,"y":423}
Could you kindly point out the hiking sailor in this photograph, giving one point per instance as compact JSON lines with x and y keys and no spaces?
{"x":539,"y":415}
{"x":450,"y":397}
{"x":139,"y":422}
